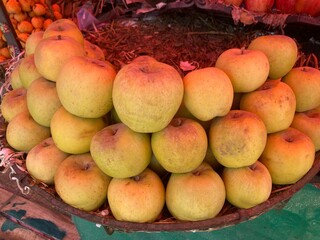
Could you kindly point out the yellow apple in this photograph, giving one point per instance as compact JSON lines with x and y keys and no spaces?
{"x":53,"y":52}
{"x":308,"y":122}
{"x":14,"y":102}
{"x":305,"y":83}
{"x":237,"y":139}
{"x":247,"y":187}
{"x":155,"y":166}
{"x":147,"y":94}
{"x":62,"y":21}
{"x":196,"y":195}
{"x":28,"y":71}
{"x":93,"y":51}
{"x":274,"y":102}
{"x":32,"y":42}
{"x":64,"y":28}
{"x":281,"y":50}
{"x":42,"y":100}
{"x":137,"y":199}
{"x":23,"y":133}
{"x":80,"y":183}
{"x":181,"y":146}
{"x":247,"y":69}
{"x":288,"y":155}
{"x":115,"y":157}
{"x":73,"y":134}
{"x":43,"y":160}
{"x":14,"y":77}
{"x":84,"y":86}
{"x":208,"y":93}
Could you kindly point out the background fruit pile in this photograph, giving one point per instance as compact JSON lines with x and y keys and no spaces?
{"x":145,"y":137}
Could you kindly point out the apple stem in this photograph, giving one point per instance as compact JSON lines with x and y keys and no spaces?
{"x":253,"y":166}
{"x":177,"y":122}
{"x":59,"y":37}
{"x":196,"y":173}
{"x":136,"y":178}
{"x":242,"y":50}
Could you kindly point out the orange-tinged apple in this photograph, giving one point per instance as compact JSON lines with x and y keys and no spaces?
{"x":247,"y":69}
{"x":28,"y":71}
{"x":93,"y":51}
{"x":288,"y":155}
{"x":181,"y":146}
{"x":137,"y":199}
{"x":196,"y":195}
{"x":247,"y":187}
{"x":14,"y":102}
{"x":281,"y":50}
{"x":274,"y":102}
{"x":32,"y":42}
{"x":305,"y":83}
{"x":14,"y":77}
{"x":208,"y":93}
{"x":237,"y":139}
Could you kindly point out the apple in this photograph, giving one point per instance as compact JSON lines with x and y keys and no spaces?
{"x":308,"y":122}
{"x":73,"y":134}
{"x":93,"y":51}
{"x":80,"y":183}
{"x":208,"y":93}
{"x":258,"y":5}
{"x":155,"y":166}
{"x":181,"y":146}
{"x":147,"y":94}
{"x":274,"y":102}
{"x":210,"y":158}
{"x":285,"y":6}
{"x":137,"y":199}
{"x":84,"y":86}
{"x":237,"y":139}
{"x":32,"y":42}
{"x":23,"y":133}
{"x":53,"y":52}
{"x":310,"y":7}
{"x":14,"y":102}
{"x":43,"y":160}
{"x":247,"y":69}
{"x":288,"y":155}
{"x":14,"y":77}
{"x":196,"y":195}
{"x":233,"y":2}
{"x":42,"y":100}
{"x":247,"y":187}
{"x":64,"y":28}
{"x":305,"y":83}
{"x":281,"y":50}
{"x":28,"y":71}
{"x":115,"y":157}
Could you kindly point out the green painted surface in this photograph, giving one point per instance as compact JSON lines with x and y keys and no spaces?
{"x":299,"y":219}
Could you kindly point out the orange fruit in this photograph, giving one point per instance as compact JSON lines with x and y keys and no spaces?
{"x":37,"y":22}
{"x":5,"y":52}
{"x":20,"y":16}
{"x":39,"y":9}
{"x":46,"y":23}
{"x":56,"y":7}
{"x":26,"y":5}
{"x":25,"y":27}
{"x":13,"y":6}
{"x":57,"y":15}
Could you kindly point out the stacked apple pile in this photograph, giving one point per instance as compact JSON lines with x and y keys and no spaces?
{"x":309,"y":7}
{"x":27,"y":16}
{"x":219,"y":133}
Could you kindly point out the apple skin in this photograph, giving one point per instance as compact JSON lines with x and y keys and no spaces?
{"x":237,"y":139}
{"x":14,"y":77}
{"x":23,"y":133}
{"x":115,"y":157}
{"x":247,"y":69}
{"x":42,"y":100}
{"x":93,"y":51}
{"x":32,"y":42}
{"x":285,"y":6}
{"x":147,"y":94}
{"x":137,"y":199}
{"x":73,"y":134}
{"x":14,"y":102}
{"x":311,"y":7}
{"x":84,"y":86}
{"x":305,"y":83}
{"x":233,"y":2}
{"x":181,"y":146}
{"x":288,"y":155}
{"x":155,"y":166}
{"x":196,"y":195}
{"x":43,"y":160}
{"x":53,"y":52}
{"x":80,"y":183}
{"x":281,"y":50}
{"x":308,"y":122}
{"x":28,"y":71}
{"x":208,"y":93}
{"x":274,"y":102}
{"x":258,"y":5}
{"x":247,"y":187}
